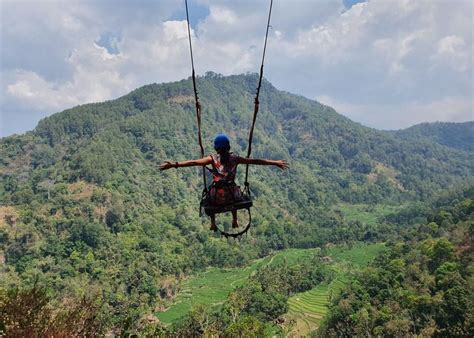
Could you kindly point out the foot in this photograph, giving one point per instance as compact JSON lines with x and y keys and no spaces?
{"x":235,"y":224}
{"x":213,"y":227}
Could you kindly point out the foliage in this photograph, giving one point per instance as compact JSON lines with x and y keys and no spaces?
{"x":212,"y":287}
{"x":421,"y":286}
{"x":30,"y":313}
{"x":454,"y":135}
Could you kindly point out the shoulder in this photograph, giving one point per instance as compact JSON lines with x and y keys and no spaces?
{"x":214,"y":158}
{"x":236,"y":158}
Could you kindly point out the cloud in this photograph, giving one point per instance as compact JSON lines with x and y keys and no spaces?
{"x":95,"y":78}
{"x":58,"y":58}
{"x":383,"y":116}
{"x":452,"y":51}
{"x":380,"y":59}
{"x":373,"y":60}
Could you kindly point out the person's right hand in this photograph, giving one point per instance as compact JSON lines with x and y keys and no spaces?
{"x":166,"y":165}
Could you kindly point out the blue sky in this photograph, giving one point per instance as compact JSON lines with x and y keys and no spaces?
{"x":387,"y":64}
{"x":350,"y":3}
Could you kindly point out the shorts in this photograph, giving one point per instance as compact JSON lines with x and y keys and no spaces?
{"x":224,"y":195}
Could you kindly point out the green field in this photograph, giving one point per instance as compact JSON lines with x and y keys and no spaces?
{"x":359,"y":255}
{"x":365,"y":213}
{"x":211,"y":287}
{"x":308,"y":308}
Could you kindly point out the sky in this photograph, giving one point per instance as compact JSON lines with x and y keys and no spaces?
{"x":387,"y":64}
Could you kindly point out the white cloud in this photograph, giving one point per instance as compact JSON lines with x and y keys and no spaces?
{"x":447,"y":109}
{"x":34,"y":91}
{"x":452,"y":51}
{"x":223,"y":15}
{"x":175,"y":30}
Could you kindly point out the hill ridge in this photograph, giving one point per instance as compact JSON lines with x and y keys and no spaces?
{"x":455,"y":135}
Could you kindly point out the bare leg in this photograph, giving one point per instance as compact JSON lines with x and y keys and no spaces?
{"x":213,"y":222}
{"x":235,"y":224}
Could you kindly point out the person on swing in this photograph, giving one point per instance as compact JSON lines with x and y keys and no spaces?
{"x":224,"y":168}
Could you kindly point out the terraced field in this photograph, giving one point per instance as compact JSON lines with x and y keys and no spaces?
{"x":211,"y":288}
{"x":307,"y":309}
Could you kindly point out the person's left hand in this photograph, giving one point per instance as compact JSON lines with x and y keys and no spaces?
{"x":282,"y":164}
{"x":166,"y":165}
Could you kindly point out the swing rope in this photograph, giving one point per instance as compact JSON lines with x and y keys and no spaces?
{"x":255,"y":113}
{"x":196,"y":100}
{"x":257,"y":102}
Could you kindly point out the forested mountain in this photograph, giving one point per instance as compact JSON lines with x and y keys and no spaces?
{"x":84,"y":209}
{"x":454,"y":135}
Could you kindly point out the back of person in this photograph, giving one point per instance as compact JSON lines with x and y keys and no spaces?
{"x":224,"y":169}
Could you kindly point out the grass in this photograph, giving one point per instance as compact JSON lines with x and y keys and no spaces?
{"x":364,"y":213}
{"x":212,"y":287}
{"x":308,"y":308}
{"x":360,"y":255}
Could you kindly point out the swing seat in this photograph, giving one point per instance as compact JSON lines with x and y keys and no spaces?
{"x":220,"y":198}
{"x":210,"y":209}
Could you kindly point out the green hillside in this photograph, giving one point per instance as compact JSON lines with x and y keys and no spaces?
{"x":454,"y":135}
{"x":85,"y":211}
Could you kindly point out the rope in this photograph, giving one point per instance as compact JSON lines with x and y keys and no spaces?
{"x":257,"y":103}
{"x":196,"y":100}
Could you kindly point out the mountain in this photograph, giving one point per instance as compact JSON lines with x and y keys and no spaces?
{"x":158,"y":122}
{"x":84,"y":208}
{"x":454,"y":135}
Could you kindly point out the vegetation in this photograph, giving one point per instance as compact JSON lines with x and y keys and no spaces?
{"x":31,"y":313}
{"x":421,"y":286}
{"x":211,"y":288}
{"x":454,"y":135}
{"x":263,"y":299}
{"x":84,"y":209}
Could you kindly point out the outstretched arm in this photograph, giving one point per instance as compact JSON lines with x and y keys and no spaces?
{"x":191,"y":163}
{"x":282,"y":164}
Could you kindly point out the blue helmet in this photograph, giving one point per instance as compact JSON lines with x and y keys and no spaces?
{"x":221,"y":141}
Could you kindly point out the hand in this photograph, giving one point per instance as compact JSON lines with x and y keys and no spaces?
{"x":282,"y":164}
{"x":166,"y":165}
